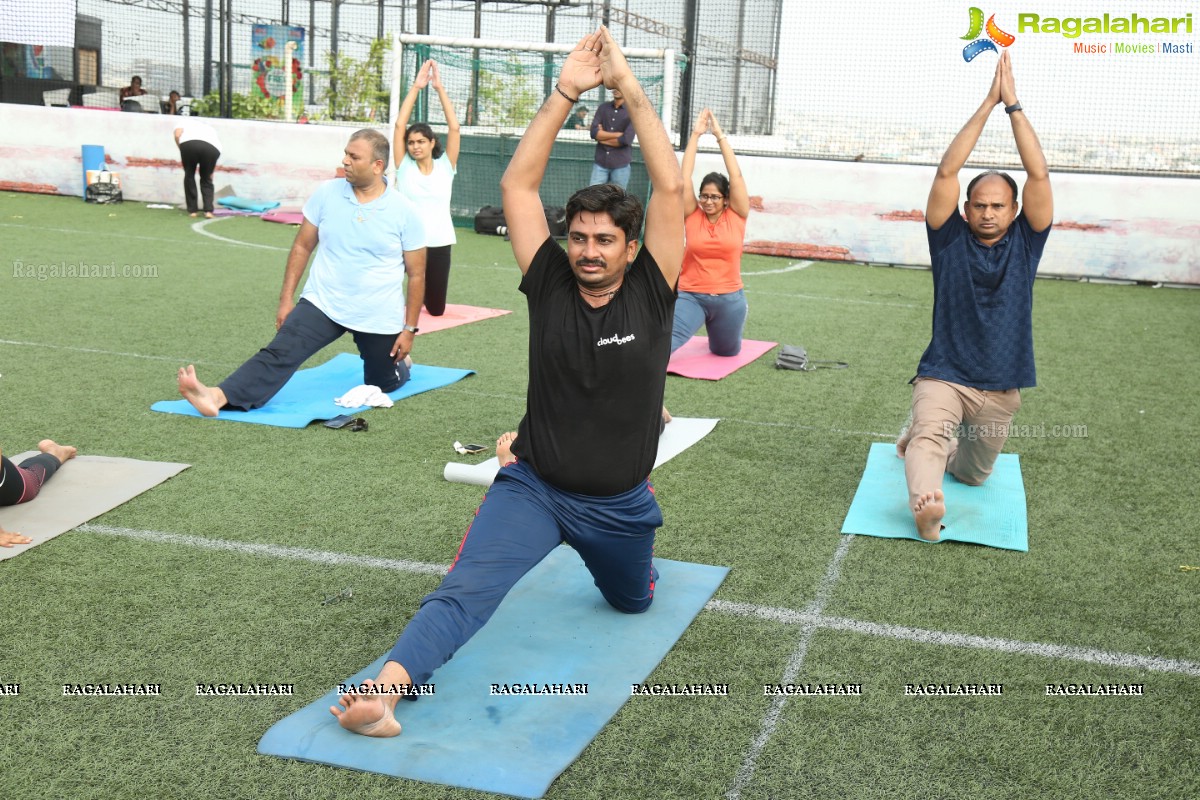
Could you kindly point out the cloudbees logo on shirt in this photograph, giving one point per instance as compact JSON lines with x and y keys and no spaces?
{"x":615,"y":339}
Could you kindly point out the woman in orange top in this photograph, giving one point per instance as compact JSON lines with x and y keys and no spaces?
{"x":710,"y":286}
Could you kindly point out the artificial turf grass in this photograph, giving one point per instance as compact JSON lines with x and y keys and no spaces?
{"x":764,"y":493}
{"x":1021,"y":744}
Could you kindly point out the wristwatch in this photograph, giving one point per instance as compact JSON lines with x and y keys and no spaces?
{"x":410,"y":329}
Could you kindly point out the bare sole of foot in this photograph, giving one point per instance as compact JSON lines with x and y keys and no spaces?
{"x":63,"y":452}
{"x":666,"y":415}
{"x":367,"y":715}
{"x":928,"y":512}
{"x":504,"y":448}
{"x":200,"y":396}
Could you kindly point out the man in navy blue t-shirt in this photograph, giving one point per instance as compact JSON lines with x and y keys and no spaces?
{"x":980,"y":356}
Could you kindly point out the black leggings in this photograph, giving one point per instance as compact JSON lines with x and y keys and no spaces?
{"x":200,"y":155}
{"x":21,"y":484}
{"x":437,"y":279}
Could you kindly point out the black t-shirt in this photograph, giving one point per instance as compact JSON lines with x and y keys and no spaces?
{"x":596,"y":376}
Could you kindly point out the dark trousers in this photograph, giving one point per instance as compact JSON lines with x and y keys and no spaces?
{"x":22,"y":484}
{"x":305,"y":331}
{"x":201,"y":155}
{"x":522,"y":518}
{"x":437,"y":279}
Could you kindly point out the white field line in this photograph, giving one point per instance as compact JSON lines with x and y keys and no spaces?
{"x":824,"y":590}
{"x":199,"y":227}
{"x":809,"y":617}
{"x":1108,"y":658}
{"x":114,"y":353}
{"x":799,"y":265}
{"x":271,"y":550}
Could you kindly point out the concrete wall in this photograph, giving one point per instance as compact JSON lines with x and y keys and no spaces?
{"x":1136,"y":228}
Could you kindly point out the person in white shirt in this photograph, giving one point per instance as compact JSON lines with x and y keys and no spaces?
{"x":199,"y":148}
{"x":425,"y":173}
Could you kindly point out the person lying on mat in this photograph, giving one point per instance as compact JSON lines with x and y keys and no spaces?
{"x":20,"y":484}
{"x":600,"y":337}
{"x":710,"y":285}
{"x":968,"y":383}
{"x":370,"y":240}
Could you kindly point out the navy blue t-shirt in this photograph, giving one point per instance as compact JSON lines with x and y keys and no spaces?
{"x":983,"y":306}
{"x":596,"y":376}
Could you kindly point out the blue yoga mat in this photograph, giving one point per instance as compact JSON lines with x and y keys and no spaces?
{"x":310,"y":393}
{"x":552,"y":628}
{"x":992,"y":514}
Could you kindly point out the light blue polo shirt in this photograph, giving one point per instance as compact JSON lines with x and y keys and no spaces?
{"x":357,"y":274}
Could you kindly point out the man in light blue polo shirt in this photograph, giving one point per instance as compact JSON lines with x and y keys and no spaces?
{"x":371,"y":239}
{"x":968,"y":383}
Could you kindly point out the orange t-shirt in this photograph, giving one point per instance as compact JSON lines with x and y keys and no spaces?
{"x":712,"y":260}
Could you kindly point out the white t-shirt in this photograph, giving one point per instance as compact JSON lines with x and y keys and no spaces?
{"x":357,"y":274}
{"x":430,"y":195}
{"x":196,"y":130}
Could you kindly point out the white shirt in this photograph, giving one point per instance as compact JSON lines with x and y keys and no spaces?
{"x":196,"y":130}
{"x":430,"y":196}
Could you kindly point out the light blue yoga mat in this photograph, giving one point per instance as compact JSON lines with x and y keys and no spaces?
{"x":552,"y":628}
{"x":310,"y":393}
{"x":992,"y":514}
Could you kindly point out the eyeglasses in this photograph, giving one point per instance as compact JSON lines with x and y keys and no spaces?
{"x":344,"y":594}
{"x":711,"y":198}
{"x":358,"y":424}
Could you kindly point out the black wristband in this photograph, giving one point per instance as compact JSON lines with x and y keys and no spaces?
{"x":558,"y":89}
{"x":1012,"y":108}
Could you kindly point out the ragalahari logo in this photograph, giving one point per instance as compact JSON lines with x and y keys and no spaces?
{"x":994,"y":35}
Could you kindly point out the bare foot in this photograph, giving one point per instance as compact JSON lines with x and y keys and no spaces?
{"x":207,"y":400}
{"x":928,"y":512}
{"x":192,"y":213}
{"x":367,"y":714}
{"x":63,"y":452}
{"x":666,"y":415}
{"x":504,"y":448}
{"x":208,"y":215}
{"x":8,"y":538}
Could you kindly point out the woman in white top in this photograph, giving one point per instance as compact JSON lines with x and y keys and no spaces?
{"x":425,"y":174}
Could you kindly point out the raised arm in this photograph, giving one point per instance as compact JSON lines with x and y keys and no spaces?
{"x":453,"y":135}
{"x":943,"y":196}
{"x":663,"y":236}
{"x":523,"y":212}
{"x":689,"y":163}
{"x":399,"y":145}
{"x":739,"y":197}
{"x":1036,"y":197}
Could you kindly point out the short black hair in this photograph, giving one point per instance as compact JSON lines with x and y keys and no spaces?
{"x":1012,"y":184}
{"x":426,"y":131}
{"x":624,"y":208}
{"x":718,"y":180}
{"x":379,"y":143}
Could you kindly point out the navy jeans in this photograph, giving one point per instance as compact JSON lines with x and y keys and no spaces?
{"x":305,"y":331}
{"x":722,"y":315}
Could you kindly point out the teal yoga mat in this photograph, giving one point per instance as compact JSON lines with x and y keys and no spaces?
{"x":310,"y":393}
{"x":552,"y":628}
{"x":992,"y":514}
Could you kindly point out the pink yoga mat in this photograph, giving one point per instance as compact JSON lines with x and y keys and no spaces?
{"x":694,"y":360}
{"x":456,"y":315}
{"x":287,"y":216}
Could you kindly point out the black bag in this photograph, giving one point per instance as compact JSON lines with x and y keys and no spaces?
{"x":796,"y":357}
{"x":556,"y":219}
{"x":490,"y":220}
{"x":103,"y":193}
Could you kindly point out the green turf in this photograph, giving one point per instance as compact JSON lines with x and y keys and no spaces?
{"x":1112,"y":516}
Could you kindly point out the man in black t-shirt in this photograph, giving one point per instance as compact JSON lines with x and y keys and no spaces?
{"x":599,"y":341}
